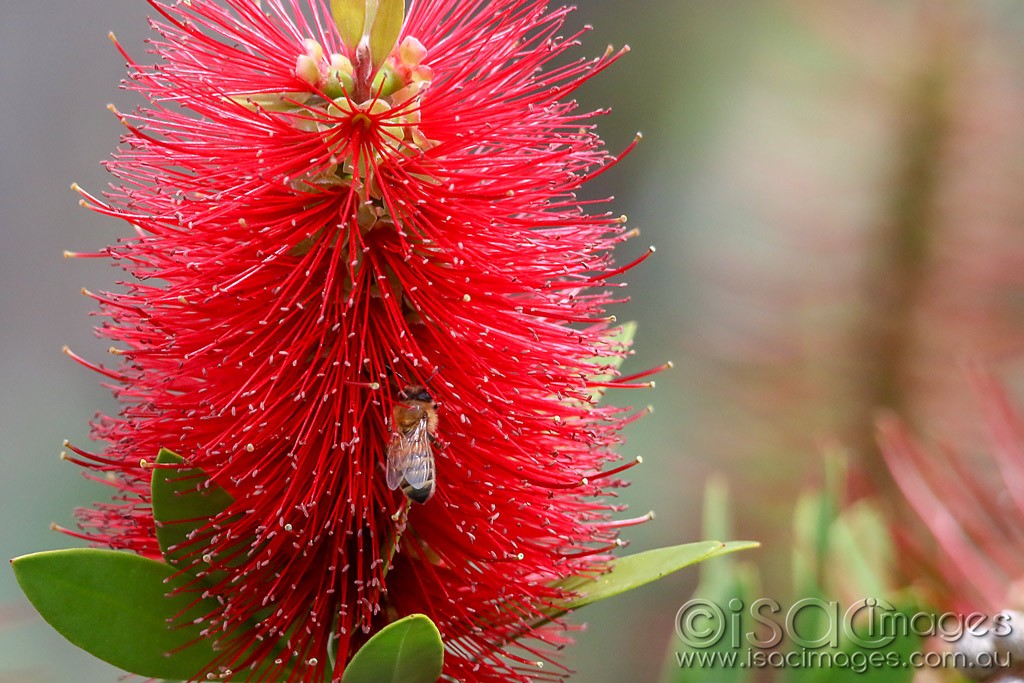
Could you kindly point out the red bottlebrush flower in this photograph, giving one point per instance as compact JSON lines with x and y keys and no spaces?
{"x":971,"y":557}
{"x":317,"y":228}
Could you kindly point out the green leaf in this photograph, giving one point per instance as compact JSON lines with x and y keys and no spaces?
{"x":623,"y":337}
{"x":387,"y":26}
{"x":812,"y":521}
{"x":381,"y":20}
{"x":406,"y":651}
{"x":722,"y":580}
{"x":717,"y":663}
{"x":116,"y":606}
{"x":633,"y":571}
{"x":716,"y":520}
{"x":183,"y":501}
{"x":350,"y":18}
{"x":716,"y":523}
{"x":852,"y":663}
{"x":862,"y":560}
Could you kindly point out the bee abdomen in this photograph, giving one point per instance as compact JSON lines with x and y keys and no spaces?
{"x":418,"y":495}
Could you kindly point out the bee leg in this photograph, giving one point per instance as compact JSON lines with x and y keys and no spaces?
{"x":400,"y":518}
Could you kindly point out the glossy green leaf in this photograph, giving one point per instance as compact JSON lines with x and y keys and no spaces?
{"x":633,"y":571}
{"x":387,"y":26}
{"x":350,"y":18}
{"x":406,"y":651}
{"x":116,"y":606}
{"x":183,"y":501}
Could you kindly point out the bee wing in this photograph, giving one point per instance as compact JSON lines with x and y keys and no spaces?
{"x":399,"y":453}
{"x":410,"y":458}
{"x":419,"y":471}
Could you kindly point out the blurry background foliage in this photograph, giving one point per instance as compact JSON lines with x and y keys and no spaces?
{"x":834,"y":189}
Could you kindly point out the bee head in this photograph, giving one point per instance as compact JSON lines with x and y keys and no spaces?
{"x":415,"y":392}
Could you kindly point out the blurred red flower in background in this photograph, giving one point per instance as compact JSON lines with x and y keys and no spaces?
{"x":317,"y":226}
{"x":970,"y":505}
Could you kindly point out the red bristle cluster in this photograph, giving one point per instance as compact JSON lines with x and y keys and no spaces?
{"x":279,"y":303}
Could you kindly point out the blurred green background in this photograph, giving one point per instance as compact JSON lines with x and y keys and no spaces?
{"x":835,"y":193}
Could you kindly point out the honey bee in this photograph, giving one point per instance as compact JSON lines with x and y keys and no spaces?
{"x":410,"y":456}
